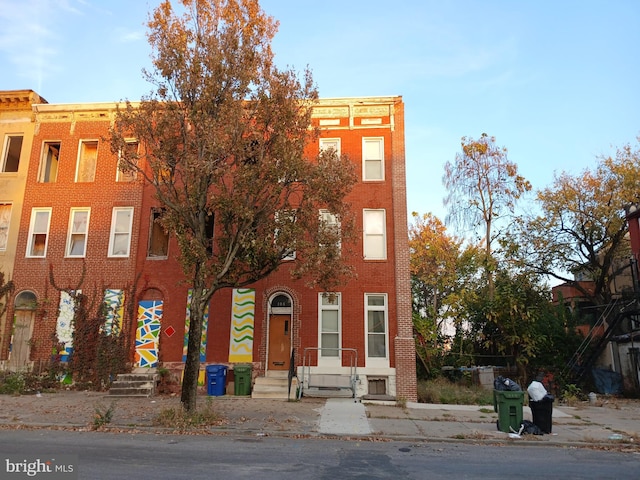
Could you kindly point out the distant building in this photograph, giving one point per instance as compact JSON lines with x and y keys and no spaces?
{"x":85,"y":225}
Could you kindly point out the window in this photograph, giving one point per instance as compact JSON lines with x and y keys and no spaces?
{"x":38,"y":232}
{"x":372,"y":159}
{"x":87,"y":159}
{"x":330,"y":226}
{"x":11,"y":155}
{"x":284,"y":219}
{"x":376,"y":327}
{"x":375,"y":242}
{"x":209,"y":230}
{"x":330,"y":319}
{"x":330,"y":143}
{"x":120,"y":236}
{"x":49,"y":162}
{"x":131,"y":149}
{"x":78,"y":231}
{"x":5,"y":219}
{"x":158,"y":237}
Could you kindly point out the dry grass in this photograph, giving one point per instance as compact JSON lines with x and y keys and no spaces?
{"x":444,"y":391}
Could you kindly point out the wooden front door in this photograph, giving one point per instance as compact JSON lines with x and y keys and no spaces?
{"x":279,"y":342}
{"x":20,"y":342}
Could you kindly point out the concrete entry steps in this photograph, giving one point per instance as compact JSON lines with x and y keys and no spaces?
{"x":274,"y":385}
{"x":141,"y":382}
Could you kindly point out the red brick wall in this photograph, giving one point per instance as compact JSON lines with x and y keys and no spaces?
{"x":101,"y":195}
{"x":163,"y":278}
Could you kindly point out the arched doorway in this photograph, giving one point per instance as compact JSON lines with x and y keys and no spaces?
{"x":24,"y":319}
{"x":280,"y":323}
{"x":147,"y":349}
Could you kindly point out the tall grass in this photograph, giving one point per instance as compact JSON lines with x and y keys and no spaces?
{"x":441,"y":390}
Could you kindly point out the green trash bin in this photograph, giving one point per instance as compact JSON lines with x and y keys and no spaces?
{"x":242,"y":379}
{"x":508,"y":405}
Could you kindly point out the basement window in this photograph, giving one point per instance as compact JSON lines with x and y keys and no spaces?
{"x":377,"y":386}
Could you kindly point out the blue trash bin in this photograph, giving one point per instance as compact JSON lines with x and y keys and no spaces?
{"x":216,"y":379}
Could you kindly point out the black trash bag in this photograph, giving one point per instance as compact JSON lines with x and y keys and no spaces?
{"x":505,"y":385}
{"x":531,"y":428}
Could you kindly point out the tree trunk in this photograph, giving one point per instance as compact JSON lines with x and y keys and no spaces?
{"x":192,"y":365}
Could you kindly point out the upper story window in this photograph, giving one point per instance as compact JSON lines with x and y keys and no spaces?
{"x":330,"y":144}
{"x":38,"y":232}
{"x":131,"y":148}
{"x":158,"y":237}
{"x":331,"y":225}
{"x":87,"y":161}
{"x":375,"y":234}
{"x":11,"y":154}
{"x":283,"y":220}
{"x":5,"y":219}
{"x":373,"y":158}
{"x":78,"y":232}
{"x":120,"y":235}
{"x":48,"y":172}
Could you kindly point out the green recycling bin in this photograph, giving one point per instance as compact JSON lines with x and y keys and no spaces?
{"x":508,"y":405}
{"x":242,"y":379}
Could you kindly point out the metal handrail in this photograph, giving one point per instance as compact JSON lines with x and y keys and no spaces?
{"x":353,"y":367}
{"x":292,"y":370}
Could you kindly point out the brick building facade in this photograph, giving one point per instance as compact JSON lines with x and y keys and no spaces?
{"x":86,"y":226}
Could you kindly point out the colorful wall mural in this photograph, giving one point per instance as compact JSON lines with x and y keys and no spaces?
{"x":242,"y":325}
{"x":205,"y":324}
{"x":114,"y":311}
{"x":148,"y":333}
{"x":64,"y":325}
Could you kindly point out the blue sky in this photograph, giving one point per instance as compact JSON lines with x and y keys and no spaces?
{"x":556,"y":82}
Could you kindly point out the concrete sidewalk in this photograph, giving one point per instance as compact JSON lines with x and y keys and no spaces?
{"x":610,"y":423}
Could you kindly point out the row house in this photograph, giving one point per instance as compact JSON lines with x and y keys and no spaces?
{"x":16,"y":135}
{"x":86,"y":226}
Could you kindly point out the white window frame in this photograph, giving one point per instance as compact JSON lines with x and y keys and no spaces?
{"x":330,"y":220}
{"x":379,"y":157}
{"x":74,"y":233}
{"x":131,"y":176}
{"x":327,"y":143}
{"x":45,"y":169}
{"x":370,"y":232}
{"x":5,"y":151}
{"x":81,"y":145}
{"x":5,"y":224}
{"x":33,"y":232}
{"x":376,"y":361}
{"x":113,"y":232}
{"x":329,"y":360}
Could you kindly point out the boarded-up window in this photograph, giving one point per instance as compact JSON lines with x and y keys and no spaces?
{"x":87,"y":160}
{"x":158,"y":237}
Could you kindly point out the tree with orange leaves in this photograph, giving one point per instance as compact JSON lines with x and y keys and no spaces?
{"x":580,"y":232}
{"x":440,"y":269}
{"x":222,"y":142}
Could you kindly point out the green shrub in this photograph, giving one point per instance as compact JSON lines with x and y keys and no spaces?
{"x":103,"y":415}
{"x":13,"y":383}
